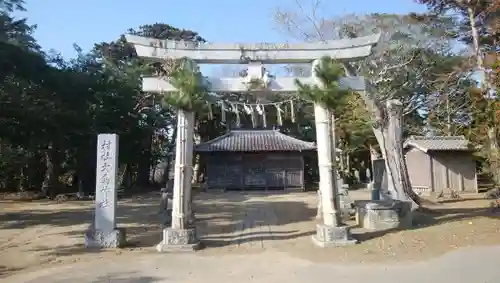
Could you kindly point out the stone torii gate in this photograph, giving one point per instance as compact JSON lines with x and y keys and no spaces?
{"x":330,"y":232}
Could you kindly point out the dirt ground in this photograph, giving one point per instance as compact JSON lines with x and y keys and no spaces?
{"x":39,"y":234}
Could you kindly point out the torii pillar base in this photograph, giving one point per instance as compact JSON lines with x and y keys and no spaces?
{"x":333,"y":236}
{"x":179,"y":240}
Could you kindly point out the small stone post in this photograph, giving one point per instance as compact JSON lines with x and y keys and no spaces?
{"x":331,"y":232}
{"x":103,"y":233}
{"x":368,"y":174}
{"x":378,"y":188}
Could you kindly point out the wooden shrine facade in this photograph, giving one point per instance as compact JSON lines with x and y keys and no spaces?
{"x":255,"y":160}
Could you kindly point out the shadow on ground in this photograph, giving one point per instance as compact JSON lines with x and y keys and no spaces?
{"x":78,"y":212}
{"x":127,"y":278}
{"x":4,"y":270}
{"x":222,"y":218}
{"x":425,"y":217}
{"x":65,"y":251}
{"x":244,"y":218}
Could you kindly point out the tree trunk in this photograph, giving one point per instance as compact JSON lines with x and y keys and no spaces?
{"x":86,"y":160}
{"x":494,"y":157}
{"x":152,"y":173}
{"x":342,"y":166}
{"x":494,"y":161}
{"x":170,"y":154}
{"x":475,"y":41}
{"x":389,"y":133}
{"x":196,"y":167}
{"x":348,"y":163}
{"x":22,"y":178}
{"x":128,"y":181}
{"x":50,"y":179}
{"x":448,"y":116}
{"x":144,"y":164}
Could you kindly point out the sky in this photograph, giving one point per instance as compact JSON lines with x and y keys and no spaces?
{"x":64,"y":23}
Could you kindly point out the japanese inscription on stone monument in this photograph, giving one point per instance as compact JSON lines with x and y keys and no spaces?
{"x":105,"y":200}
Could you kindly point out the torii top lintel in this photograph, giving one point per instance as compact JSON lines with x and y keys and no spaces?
{"x":267,"y":53}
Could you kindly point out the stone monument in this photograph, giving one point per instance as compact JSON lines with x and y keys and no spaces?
{"x":103,"y":232}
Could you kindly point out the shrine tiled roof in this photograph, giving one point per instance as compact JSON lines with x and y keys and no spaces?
{"x":438,"y":143}
{"x":255,"y":141}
